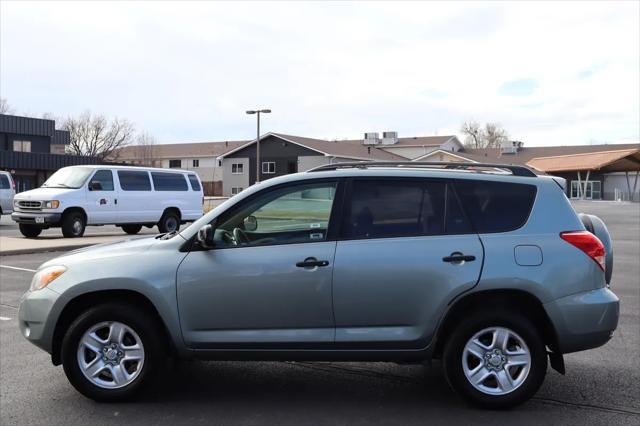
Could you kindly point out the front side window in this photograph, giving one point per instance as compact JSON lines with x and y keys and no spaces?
{"x":102,"y":180}
{"x":4,"y":182}
{"x":401,"y":208}
{"x":268,"y":167}
{"x":175,"y":164}
{"x":237,"y":169}
{"x":168,"y":181}
{"x":195,"y":184}
{"x":68,"y":177}
{"x":294,"y":214}
{"x":134,"y":180}
{"x":22,"y":146}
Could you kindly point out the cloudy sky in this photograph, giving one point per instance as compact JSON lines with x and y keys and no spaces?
{"x":549,"y":72}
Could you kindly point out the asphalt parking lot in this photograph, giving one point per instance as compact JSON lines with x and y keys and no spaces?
{"x":9,"y":228}
{"x":602,"y":386}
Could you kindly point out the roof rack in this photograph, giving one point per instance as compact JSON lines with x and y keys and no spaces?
{"x":514,"y":169}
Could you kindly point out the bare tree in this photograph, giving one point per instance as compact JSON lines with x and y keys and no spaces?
{"x":491,"y":135}
{"x":5,"y":108}
{"x":146,"y":147}
{"x":473,"y":134}
{"x":95,"y":136}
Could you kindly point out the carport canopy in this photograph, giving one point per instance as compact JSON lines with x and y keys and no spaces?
{"x":622,"y":160}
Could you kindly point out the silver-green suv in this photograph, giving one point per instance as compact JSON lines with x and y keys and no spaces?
{"x":486,"y":267}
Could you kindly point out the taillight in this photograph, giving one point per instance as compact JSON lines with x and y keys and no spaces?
{"x":588,"y":243}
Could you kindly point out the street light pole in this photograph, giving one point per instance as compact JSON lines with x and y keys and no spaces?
{"x":258,"y":112}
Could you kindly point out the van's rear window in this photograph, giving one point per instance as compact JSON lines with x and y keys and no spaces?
{"x":169,"y":181}
{"x":496,"y":206}
{"x":4,"y":182}
{"x":134,"y":180}
{"x":195,"y":185}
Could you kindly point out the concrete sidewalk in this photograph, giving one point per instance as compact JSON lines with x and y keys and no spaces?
{"x":21,"y":245}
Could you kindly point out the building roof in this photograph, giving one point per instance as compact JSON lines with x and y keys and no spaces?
{"x":410,"y":141}
{"x":178,"y":150}
{"x":611,"y":161}
{"x":344,"y":149}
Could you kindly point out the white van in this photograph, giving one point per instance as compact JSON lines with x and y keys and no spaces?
{"x":129,"y":197}
{"x":7,"y":191}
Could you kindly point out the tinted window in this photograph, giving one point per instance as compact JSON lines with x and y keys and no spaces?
{"x":105,"y":178}
{"x":195,"y":185}
{"x":294,"y":214}
{"x":496,"y":206}
{"x":168,"y":181}
{"x":4,"y":182}
{"x":134,"y":181}
{"x":395,"y":208}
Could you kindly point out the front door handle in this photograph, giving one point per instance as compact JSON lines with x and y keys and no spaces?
{"x":457,"y":257}
{"x":311,"y":262}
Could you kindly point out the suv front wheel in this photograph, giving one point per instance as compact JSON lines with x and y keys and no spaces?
{"x":495,"y":359}
{"x":111,"y":352}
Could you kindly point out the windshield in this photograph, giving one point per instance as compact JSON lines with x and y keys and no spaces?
{"x":68,"y":177}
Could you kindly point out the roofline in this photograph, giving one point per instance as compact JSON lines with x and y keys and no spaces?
{"x":586,"y":153}
{"x":445,"y":152}
{"x":630,"y":151}
{"x":117,"y":166}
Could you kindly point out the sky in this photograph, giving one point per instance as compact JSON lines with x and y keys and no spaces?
{"x":550,"y":73}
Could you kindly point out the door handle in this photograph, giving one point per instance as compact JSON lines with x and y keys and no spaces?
{"x":457,"y":257}
{"x":312,"y":262}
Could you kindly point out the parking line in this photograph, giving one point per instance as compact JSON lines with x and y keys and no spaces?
{"x":5,"y":319}
{"x":17,"y":269}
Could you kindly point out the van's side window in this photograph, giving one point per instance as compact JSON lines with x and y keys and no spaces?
{"x":169,"y":181}
{"x":134,"y":180}
{"x":195,"y":185}
{"x":104,"y":178}
{"x":397,"y":208}
{"x":4,"y":182}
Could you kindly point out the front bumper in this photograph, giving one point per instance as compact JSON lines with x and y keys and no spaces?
{"x":37,"y":316}
{"x":36,"y":218}
{"x":584,"y":320}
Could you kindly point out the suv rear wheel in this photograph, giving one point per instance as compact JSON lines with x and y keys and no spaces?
{"x":73,"y":224}
{"x":111,"y":351}
{"x":495,"y":359}
{"x":29,"y":231}
{"x":131,"y":229}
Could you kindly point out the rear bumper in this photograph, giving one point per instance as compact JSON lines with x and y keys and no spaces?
{"x":48,"y":219}
{"x":584,"y":320}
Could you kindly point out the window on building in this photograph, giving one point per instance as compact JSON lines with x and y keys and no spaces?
{"x":104,"y":178}
{"x":237,"y":168}
{"x":22,"y":146}
{"x":134,"y":180}
{"x":169,"y":181}
{"x":175,"y":164}
{"x":196,"y":163}
{"x":195,"y":184}
{"x":268,"y":167}
{"x":236,"y":190}
{"x":402,"y":208}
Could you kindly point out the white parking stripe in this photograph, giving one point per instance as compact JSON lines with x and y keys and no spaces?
{"x":17,"y":269}
{"x":5,"y":319}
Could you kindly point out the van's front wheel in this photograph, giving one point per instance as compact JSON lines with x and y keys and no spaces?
{"x":73,"y":224}
{"x":495,"y":359}
{"x":29,"y":231}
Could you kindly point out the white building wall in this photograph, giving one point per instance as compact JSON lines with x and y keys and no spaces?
{"x":409,"y":152}
{"x":207,"y":169}
{"x":232,"y":180}
{"x":613,"y":181}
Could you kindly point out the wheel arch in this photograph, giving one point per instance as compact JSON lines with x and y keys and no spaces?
{"x":73,"y":209}
{"x":517,"y":300}
{"x":81,"y":303}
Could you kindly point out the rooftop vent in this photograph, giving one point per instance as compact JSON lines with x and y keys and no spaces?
{"x":389,"y":138}
{"x":511,"y":147}
{"x":371,"y":138}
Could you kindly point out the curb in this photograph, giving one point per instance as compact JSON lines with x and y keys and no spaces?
{"x":44,"y":249}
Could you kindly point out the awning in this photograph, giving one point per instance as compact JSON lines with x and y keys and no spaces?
{"x":623,"y":160}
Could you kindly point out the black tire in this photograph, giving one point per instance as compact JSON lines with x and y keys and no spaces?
{"x":131,"y":229}
{"x":73,"y":224}
{"x":170,"y":221}
{"x":29,"y":231}
{"x":149,"y":332}
{"x":475,"y":323}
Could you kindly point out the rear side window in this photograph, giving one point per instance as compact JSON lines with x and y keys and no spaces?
{"x":134,"y":180}
{"x":195,"y":185}
{"x":169,"y":181}
{"x":402,"y":208}
{"x":496,"y":206}
{"x":4,"y":182}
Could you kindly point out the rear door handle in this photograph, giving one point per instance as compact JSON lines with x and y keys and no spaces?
{"x":457,"y":257}
{"x":312,"y":262}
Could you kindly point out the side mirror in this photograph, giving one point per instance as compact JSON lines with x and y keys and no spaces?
{"x":95,"y":185}
{"x":205,"y":237}
{"x":250,"y":223}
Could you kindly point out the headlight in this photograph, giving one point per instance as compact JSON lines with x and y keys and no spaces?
{"x":15,"y":203}
{"x":53,"y":204}
{"x":43,"y":277}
